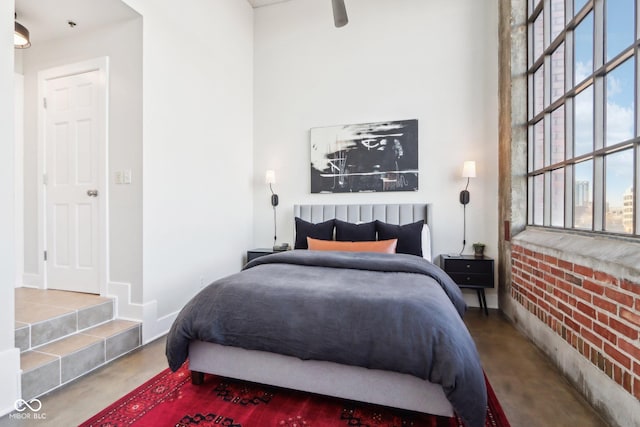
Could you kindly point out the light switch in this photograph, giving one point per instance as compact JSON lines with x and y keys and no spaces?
{"x":126,"y":178}
{"x":118,"y":177}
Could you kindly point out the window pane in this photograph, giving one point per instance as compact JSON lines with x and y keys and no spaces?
{"x":538,"y":145}
{"x":557,"y":198}
{"x":538,"y":37}
{"x":619,"y":184}
{"x":620,"y":103}
{"x":583,"y":45}
{"x":538,"y":200}
{"x":557,"y":73}
{"x":557,"y":17}
{"x":557,"y":135}
{"x":583,"y":129}
{"x":619,"y":32}
{"x":582,"y":198}
{"x":578,"y":5}
{"x":538,"y":90}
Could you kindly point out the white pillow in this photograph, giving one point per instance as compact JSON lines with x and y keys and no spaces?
{"x":426,"y":243}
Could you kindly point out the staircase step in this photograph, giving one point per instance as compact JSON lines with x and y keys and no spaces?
{"x":44,"y":316}
{"x":51,"y":365}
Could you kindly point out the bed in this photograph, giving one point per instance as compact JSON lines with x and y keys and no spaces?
{"x":408,"y":373}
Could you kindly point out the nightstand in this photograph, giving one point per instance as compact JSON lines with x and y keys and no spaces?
{"x":258,"y":252}
{"x":470,"y":272}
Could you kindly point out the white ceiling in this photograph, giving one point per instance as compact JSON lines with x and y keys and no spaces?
{"x":48,"y":19}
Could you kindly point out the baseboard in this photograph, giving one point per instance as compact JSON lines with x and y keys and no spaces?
{"x":153,"y":326}
{"x":32,"y":280}
{"x":10,"y":379}
{"x":617,"y":406}
{"x":124,"y":308}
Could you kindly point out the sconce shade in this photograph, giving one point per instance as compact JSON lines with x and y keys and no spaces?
{"x":270,"y":177}
{"x":20,"y":36}
{"x":469,"y":169}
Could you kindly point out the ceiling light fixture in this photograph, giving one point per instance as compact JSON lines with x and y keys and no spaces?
{"x":20,"y":36}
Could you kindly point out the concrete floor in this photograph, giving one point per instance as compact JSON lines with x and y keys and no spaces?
{"x":532,"y":392}
{"x":530,"y":389}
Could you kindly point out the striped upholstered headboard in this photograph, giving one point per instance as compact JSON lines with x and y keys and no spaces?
{"x":390,"y":213}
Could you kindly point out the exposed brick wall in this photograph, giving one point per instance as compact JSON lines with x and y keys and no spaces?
{"x":596,"y":313}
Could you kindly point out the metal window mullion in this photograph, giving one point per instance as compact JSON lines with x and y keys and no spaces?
{"x":546,"y":11}
{"x":598,"y":34}
{"x":547,"y":83}
{"x":530,"y":191}
{"x":637,"y":23}
{"x":598,"y":160}
{"x":569,"y":127}
{"x":546,"y":148}
{"x":531,"y":95}
{"x":598,"y":113}
{"x":530,"y":39}
{"x":569,"y":196}
{"x":598,"y":193}
{"x":568,"y":61}
{"x":546,"y":217}
{"x":530,"y":147}
{"x":636,"y":146}
{"x":636,"y":95}
{"x":568,"y":13}
{"x":636,"y":190}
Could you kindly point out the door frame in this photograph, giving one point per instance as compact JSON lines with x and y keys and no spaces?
{"x":102,"y":66}
{"x":18,"y":155}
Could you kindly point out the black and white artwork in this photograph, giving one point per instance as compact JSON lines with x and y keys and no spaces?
{"x":379,"y":156}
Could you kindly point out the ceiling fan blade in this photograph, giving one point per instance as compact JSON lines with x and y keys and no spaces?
{"x":340,"y":17}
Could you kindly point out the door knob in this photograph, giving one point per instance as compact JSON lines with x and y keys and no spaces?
{"x":92,"y":193}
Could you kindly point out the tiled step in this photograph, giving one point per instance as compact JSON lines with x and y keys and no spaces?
{"x":63,"y":335}
{"x":51,"y":365}
{"x":46,"y":316}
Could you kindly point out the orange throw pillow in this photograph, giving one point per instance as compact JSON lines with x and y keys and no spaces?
{"x":381,"y":246}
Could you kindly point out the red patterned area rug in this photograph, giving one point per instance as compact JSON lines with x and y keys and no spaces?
{"x":169,"y":399}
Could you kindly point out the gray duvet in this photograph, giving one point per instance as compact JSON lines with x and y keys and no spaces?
{"x":392,"y":312}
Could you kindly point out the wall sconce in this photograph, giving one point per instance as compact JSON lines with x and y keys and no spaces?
{"x":270,"y":178}
{"x":468,"y":171}
{"x":21,"y":38}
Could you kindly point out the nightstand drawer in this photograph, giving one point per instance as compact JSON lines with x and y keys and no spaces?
{"x":470,"y":279}
{"x":256,"y":253}
{"x":468,"y":266}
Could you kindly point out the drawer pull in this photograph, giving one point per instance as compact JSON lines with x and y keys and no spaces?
{"x":468,"y":278}
{"x":468,"y":265}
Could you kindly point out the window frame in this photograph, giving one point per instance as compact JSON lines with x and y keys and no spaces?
{"x":596,"y":80}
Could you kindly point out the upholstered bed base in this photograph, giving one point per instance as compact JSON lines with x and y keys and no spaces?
{"x":328,"y":378}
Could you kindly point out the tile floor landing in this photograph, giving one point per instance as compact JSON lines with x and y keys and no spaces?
{"x":64,"y":335}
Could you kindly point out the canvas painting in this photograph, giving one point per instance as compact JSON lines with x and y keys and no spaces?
{"x":367,"y":157}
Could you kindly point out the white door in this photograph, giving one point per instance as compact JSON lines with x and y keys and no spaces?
{"x":72,"y":132}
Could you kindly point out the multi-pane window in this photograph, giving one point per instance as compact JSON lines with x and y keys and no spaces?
{"x":584,"y":145}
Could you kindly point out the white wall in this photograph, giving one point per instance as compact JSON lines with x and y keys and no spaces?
{"x":403,"y":59}
{"x":9,"y":355}
{"x":122,"y":43}
{"x":197,"y":149}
